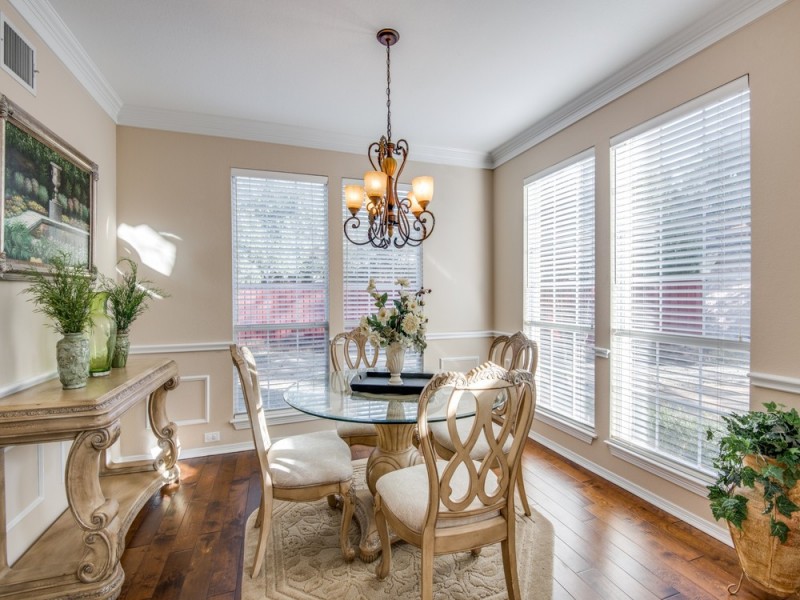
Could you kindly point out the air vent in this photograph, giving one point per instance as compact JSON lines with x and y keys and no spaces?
{"x":19,"y":57}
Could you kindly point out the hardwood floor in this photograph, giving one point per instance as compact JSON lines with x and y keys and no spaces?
{"x":187,"y":541}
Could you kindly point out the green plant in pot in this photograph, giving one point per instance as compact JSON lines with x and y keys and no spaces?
{"x":757,"y":493}
{"x":128,"y":298}
{"x":64,"y":294}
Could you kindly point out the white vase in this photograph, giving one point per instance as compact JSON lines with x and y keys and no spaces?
{"x":395,"y":355}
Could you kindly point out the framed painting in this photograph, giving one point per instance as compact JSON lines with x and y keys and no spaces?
{"x":47,"y":196}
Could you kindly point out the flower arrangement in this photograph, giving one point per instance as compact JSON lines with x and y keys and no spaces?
{"x":403,"y":321}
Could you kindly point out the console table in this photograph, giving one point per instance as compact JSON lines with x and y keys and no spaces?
{"x":79,"y":555}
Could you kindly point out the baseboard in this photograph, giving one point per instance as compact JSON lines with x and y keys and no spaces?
{"x":635,"y":489}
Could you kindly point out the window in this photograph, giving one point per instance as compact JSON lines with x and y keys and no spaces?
{"x":280,"y":279}
{"x":681,"y":292}
{"x":559,"y":288}
{"x":385,"y":265}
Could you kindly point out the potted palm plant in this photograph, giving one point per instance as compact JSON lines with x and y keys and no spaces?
{"x":64,"y":294}
{"x":128,"y":298}
{"x":757,"y":493}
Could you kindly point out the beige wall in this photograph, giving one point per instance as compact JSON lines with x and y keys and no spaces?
{"x":179,"y":184}
{"x":767,"y":51}
{"x":34,"y":488}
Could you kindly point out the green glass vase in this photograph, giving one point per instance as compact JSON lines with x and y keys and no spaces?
{"x":102,"y":336}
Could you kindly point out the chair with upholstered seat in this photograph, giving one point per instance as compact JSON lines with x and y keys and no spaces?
{"x":510,"y":352}
{"x":300,"y":468}
{"x":458,"y":504}
{"x":353,"y":350}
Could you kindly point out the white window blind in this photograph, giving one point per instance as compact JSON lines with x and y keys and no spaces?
{"x":385,"y":266}
{"x":559,"y":287}
{"x":280,"y":279}
{"x":681,"y":293}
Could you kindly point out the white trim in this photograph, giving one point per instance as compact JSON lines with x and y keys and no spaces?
{"x":453,"y":360}
{"x":585,"y":434}
{"x":206,"y":404}
{"x":21,"y":515}
{"x":602,"y":352}
{"x":685,"y":479}
{"x":460,"y":335}
{"x":27,"y":383}
{"x":703,"y":525}
{"x":279,"y":175}
{"x":729,"y":17}
{"x":214,"y":450}
{"x":179,"y":348}
{"x":282,"y":416}
{"x":769,"y":381}
{"x":737,"y":86}
{"x":225,"y":346}
{"x":567,"y":162}
{"x":49,"y":26}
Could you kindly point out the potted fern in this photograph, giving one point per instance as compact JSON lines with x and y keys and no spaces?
{"x":757,"y":493}
{"x":64,"y":294}
{"x":128,"y":298}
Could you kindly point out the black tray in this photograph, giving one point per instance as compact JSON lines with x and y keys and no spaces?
{"x":377,"y":382}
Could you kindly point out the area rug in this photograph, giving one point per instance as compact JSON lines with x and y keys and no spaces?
{"x":303,"y":562}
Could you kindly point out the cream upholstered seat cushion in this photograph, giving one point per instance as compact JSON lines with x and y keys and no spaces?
{"x":405,"y":494}
{"x":481,"y":448}
{"x":309,"y":459}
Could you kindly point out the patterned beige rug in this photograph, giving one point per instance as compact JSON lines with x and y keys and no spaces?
{"x":303,"y":562}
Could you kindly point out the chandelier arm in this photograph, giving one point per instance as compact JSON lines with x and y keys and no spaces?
{"x":374,"y":147}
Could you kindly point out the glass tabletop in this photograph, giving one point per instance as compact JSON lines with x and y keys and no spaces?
{"x":337,"y":401}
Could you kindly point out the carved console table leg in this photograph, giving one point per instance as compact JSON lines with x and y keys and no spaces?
{"x":95,"y":514}
{"x":166,"y":431}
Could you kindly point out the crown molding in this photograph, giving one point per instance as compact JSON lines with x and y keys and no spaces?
{"x":46,"y":22}
{"x":277,"y":133}
{"x":731,"y":16}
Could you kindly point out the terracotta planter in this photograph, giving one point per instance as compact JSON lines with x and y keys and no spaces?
{"x":770,"y":565}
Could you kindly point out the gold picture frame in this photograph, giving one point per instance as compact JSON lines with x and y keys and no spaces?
{"x":47,"y":197}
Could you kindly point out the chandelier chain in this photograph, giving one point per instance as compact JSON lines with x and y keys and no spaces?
{"x":388,"y":93}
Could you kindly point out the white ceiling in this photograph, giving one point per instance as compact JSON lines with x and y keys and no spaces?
{"x":473,"y":81}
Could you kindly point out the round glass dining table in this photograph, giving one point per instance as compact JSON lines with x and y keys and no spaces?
{"x":394,"y":414}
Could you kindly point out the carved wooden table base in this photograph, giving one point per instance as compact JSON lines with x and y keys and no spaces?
{"x":395,"y":450}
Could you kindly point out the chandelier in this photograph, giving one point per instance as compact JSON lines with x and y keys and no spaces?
{"x":392,"y":220}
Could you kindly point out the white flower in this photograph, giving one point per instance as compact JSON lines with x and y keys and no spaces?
{"x":412,"y":304}
{"x":374,"y":339}
{"x":402,"y":282}
{"x":383,"y":315}
{"x":410,"y":324}
{"x":363,"y":324}
{"x":371,"y":285}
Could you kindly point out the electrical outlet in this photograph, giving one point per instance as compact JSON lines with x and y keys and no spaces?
{"x":211,"y":436}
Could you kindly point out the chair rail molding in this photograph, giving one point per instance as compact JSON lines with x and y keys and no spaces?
{"x":780,"y":383}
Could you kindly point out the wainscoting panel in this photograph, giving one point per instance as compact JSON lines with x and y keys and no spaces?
{"x":190,"y":402}
{"x":458,"y":363}
{"x":35,"y":492}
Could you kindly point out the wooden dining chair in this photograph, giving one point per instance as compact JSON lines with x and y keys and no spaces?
{"x":299,"y":468}
{"x":353,"y":350}
{"x":510,"y":352}
{"x":458,"y":504}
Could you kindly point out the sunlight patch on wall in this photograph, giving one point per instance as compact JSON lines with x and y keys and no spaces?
{"x":153,"y":248}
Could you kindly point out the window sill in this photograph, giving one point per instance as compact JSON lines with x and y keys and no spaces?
{"x":584,"y":434}
{"x":282,"y":416}
{"x":685,"y":478}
